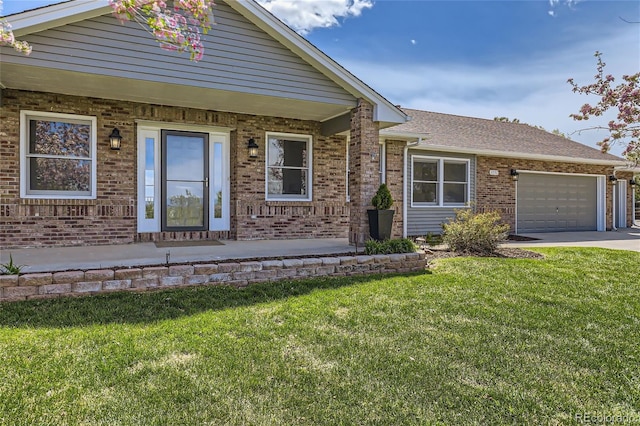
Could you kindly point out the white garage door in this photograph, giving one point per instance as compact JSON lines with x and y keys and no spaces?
{"x":550,"y":203}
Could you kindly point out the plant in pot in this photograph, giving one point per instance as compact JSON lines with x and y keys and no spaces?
{"x":381,"y":219}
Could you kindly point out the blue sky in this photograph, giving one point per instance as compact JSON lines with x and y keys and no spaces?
{"x":476,"y":58}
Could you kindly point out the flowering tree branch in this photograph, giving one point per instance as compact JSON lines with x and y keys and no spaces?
{"x":176,"y":30}
{"x":625,"y":97}
{"x":8,"y":39}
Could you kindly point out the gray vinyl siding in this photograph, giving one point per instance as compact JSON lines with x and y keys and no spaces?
{"x":238,"y":57}
{"x":422,"y":220}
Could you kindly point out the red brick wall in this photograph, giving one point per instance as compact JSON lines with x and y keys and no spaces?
{"x":364,"y":168}
{"x":498,"y":192}
{"x":394,"y":163}
{"x":325,"y":217}
{"x":111,"y":218}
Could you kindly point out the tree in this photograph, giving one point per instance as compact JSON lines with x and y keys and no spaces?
{"x":625,"y":98}
{"x":7,"y":38}
{"x":556,"y":132}
{"x":176,"y":28}
{"x":506,"y":120}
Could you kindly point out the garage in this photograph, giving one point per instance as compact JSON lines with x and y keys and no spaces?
{"x":547,"y":202}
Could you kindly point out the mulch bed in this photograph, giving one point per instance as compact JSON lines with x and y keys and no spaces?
{"x":503,"y":252}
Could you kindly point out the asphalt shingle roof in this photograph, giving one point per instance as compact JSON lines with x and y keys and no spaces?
{"x":478,"y":134}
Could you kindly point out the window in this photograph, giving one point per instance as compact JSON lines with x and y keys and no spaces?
{"x":288,"y":167}
{"x":348,"y":138}
{"x":439,"y":181}
{"x":382,"y":162}
{"x":58,"y":155}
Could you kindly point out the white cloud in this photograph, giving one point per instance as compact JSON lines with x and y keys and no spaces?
{"x":414,"y":42}
{"x":553,"y":4}
{"x":305,"y":15}
{"x":534,"y":90}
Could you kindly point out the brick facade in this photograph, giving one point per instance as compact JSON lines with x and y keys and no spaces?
{"x":364,"y":166}
{"x":111,"y":218}
{"x":498,"y":192}
{"x":394,"y":178}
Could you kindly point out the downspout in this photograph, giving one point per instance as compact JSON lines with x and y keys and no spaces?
{"x":613,"y":210}
{"x":405,"y":184}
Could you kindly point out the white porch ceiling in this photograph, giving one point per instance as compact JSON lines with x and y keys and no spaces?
{"x":16,"y":76}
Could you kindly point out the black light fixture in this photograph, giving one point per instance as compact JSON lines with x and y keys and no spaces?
{"x":612,"y":179}
{"x":253,"y":148}
{"x":633,"y":182}
{"x":514,"y":174}
{"x":115,"y":140}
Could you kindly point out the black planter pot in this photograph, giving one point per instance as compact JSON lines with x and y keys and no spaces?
{"x":380,"y":223}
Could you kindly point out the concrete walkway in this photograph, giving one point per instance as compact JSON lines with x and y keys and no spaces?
{"x":622,"y":239}
{"x":144,"y":254}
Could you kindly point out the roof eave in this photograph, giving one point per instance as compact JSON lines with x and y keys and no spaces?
{"x":64,"y":13}
{"x":36,"y":20}
{"x":384,"y":111}
{"x":496,"y":153}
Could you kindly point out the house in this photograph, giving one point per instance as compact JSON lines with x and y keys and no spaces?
{"x":265,"y":138}
{"x":537,"y":181}
{"x":187,"y":167}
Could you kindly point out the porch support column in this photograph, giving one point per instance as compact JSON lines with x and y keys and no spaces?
{"x":364,"y":177}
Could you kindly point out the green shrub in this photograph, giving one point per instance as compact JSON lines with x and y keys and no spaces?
{"x":399,"y":245}
{"x":476,"y":233}
{"x":382,"y":200}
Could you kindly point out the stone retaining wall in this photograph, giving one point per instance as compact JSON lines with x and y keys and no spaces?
{"x":239,"y":274}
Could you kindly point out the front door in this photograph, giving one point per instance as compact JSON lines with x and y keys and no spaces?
{"x":185,"y":181}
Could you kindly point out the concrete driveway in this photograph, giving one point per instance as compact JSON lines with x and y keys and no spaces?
{"x":622,"y":239}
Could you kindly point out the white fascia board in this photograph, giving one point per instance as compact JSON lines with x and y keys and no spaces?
{"x":495,"y":153}
{"x":266,"y":21}
{"x":629,"y":168}
{"x":33,"y":21}
{"x":409,"y":137}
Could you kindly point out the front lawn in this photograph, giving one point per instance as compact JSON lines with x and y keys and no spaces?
{"x":478,"y":341}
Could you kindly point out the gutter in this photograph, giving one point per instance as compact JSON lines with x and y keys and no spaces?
{"x":495,"y":153}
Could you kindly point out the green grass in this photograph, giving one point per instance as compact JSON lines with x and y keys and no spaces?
{"x":478,"y":341}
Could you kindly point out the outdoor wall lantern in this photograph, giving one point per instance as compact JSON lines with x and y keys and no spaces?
{"x":514,"y":174}
{"x":115,"y":140}
{"x":612,"y":179}
{"x":633,"y":182}
{"x":253,"y":148}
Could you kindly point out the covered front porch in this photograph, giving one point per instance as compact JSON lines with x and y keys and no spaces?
{"x":79,"y":271}
{"x":54,"y":259}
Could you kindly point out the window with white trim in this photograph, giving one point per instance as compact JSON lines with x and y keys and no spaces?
{"x":348,"y":138}
{"x":288,"y":167}
{"x":58,"y":155}
{"x":439,"y":181}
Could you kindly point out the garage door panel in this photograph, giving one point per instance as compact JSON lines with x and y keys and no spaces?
{"x":548,"y":202}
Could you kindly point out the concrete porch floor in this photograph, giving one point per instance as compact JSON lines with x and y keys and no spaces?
{"x":144,"y":254}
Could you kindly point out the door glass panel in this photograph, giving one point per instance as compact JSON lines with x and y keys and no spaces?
{"x":217,"y":180}
{"x":185,"y":156}
{"x":185,"y":161}
{"x":185,"y":204}
{"x":149,"y":178}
